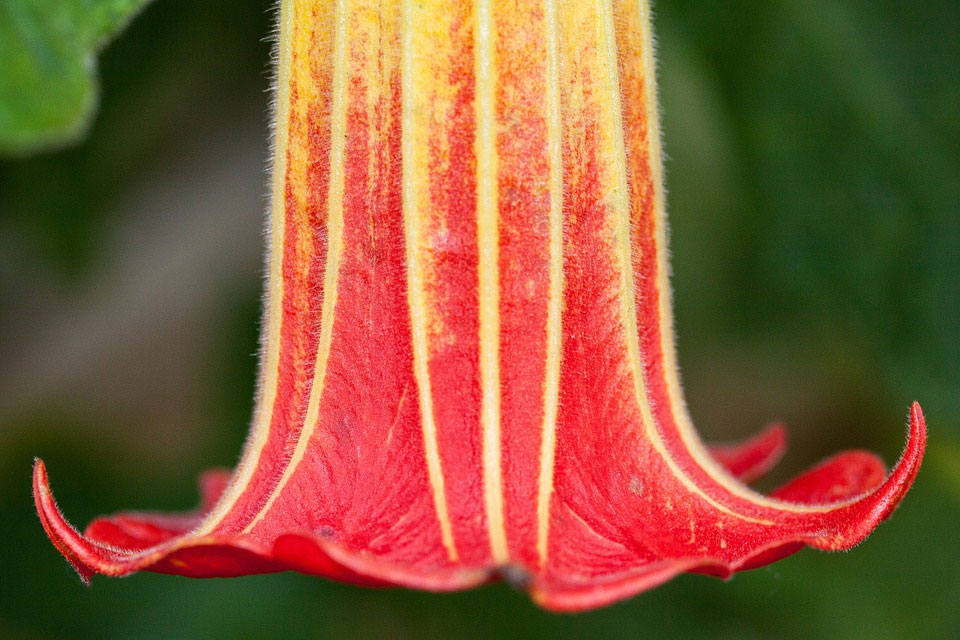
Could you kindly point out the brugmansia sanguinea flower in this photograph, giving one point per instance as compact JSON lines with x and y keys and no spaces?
{"x":468,"y":368}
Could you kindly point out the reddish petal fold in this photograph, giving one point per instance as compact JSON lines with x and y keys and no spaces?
{"x":752,"y":458}
{"x":136,"y":530}
{"x":842,"y":476}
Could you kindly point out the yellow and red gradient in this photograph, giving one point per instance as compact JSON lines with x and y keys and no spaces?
{"x":468,"y":368}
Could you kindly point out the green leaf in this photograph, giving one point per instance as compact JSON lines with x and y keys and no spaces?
{"x":48,"y":83}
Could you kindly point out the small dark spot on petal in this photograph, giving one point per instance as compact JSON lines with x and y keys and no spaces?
{"x":326,"y":531}
{"x":516,"y":576}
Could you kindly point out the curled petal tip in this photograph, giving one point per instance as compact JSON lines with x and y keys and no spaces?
{"x":754,"y":457}
{"x":65,"y":538}
{"x":874,"y":504}
{"x":909,"y":464}
{"x":905,"y":470}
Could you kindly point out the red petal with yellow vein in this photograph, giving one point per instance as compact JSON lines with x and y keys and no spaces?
{"x":469,"y":368}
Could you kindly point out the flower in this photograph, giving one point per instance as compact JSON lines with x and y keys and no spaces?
{"x":469,"y":368}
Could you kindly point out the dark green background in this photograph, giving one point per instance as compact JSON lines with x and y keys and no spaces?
{"x":814,"y":177}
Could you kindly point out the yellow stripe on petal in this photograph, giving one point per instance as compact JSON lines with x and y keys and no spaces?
{"x":334,"y":251}
{"x":416,"y":203}
{"x":485,"y":73}
{"x":551,"y":390}
{"x":267,"y":383}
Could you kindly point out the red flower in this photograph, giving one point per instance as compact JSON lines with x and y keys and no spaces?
{"x":469,"y":369}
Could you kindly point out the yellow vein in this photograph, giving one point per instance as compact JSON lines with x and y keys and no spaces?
{"x":334,"y":252}
{"x":615,"y":154}
{"x":667,"y":339}
{"x":551,"y":387}
{"x":414,"y":170}
{"x":485,"y":146}
{"x":267,"y":385}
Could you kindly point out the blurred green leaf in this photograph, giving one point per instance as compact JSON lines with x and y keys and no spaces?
{"x":48,"y":83}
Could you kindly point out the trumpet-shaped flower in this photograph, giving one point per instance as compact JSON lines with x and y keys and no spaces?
{"x":468,"y":369}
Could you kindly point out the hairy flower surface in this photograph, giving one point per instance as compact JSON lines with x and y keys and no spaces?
{"x":468,"y":369}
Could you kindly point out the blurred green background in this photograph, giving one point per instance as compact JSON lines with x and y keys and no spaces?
{"x":814,"y":178}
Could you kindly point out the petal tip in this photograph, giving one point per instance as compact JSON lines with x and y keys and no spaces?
{"x":752,"y":458}
{"x":875,"y":506}
{"x":908,"y":465}
{"x":64,"y":537}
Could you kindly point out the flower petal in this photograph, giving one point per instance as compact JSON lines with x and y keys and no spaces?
{"x":857,"y":503}
{"x":141,"y":530}
{"x":181,"y":553}
{"x":752,"y":458}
